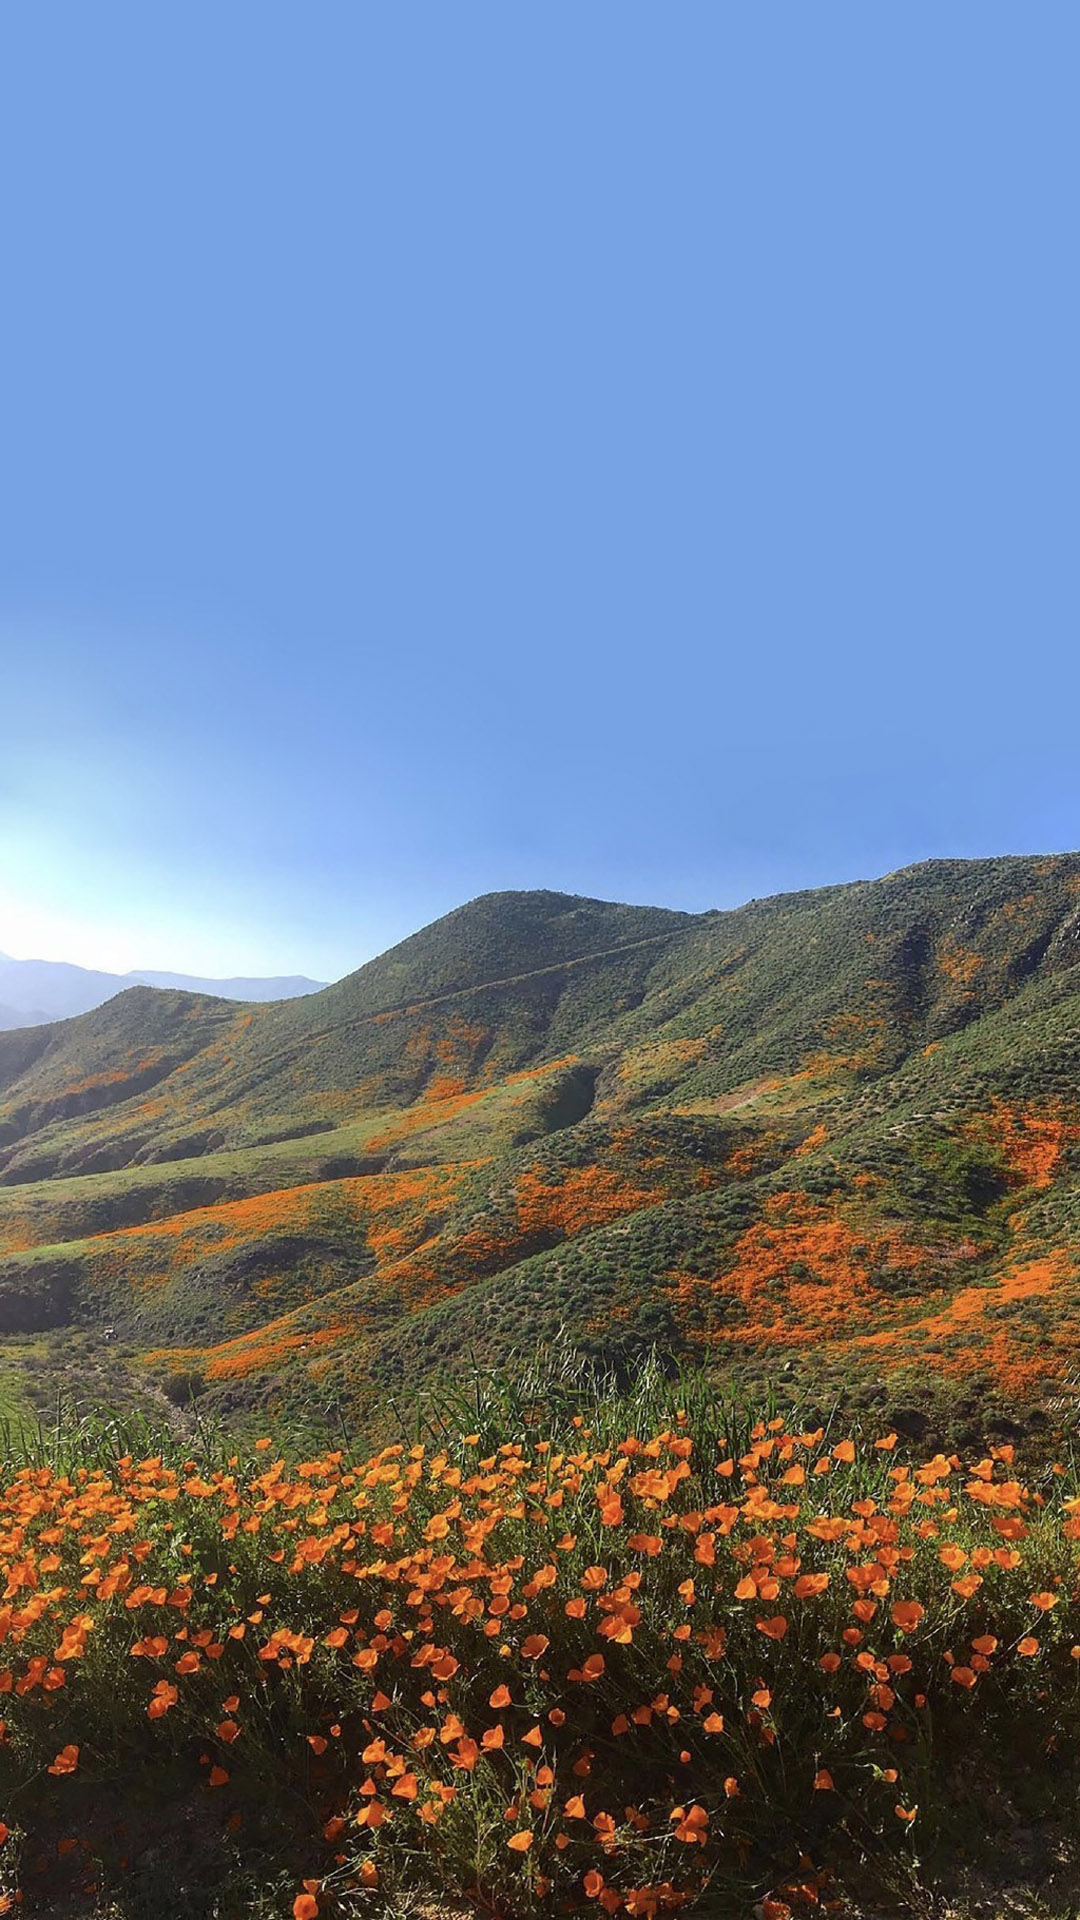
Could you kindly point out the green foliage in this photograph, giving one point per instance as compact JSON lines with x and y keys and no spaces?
{"x":849,"y":1046}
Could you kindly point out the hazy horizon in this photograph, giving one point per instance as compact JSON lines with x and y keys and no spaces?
{"x":627,"y":452}
{"x":270,"y":972}
{"x":138,"y":972}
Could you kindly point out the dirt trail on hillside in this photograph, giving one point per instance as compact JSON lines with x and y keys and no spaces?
{"x":455,"y":993}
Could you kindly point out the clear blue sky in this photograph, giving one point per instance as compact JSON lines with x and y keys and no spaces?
{"x":616,"y":447}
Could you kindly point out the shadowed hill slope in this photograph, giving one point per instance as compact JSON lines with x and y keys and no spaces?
{"x":830,"y":1139}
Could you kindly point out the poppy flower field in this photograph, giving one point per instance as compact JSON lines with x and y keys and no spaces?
{"x":620,"y":1660}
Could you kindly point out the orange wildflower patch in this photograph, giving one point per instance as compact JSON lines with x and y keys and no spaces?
{"x":256,"y":1352}
{"x":814,"y":1139}
{"x":803,"y":1273}
{"x":959,"y":964}
{"x":682,"y":1635}
{"x":971,"y":1314}
{"x":449,"y":1094}
{"x":750,"y":1155}
{"x":584,"y":1197}
{"x":1031,"y":1140}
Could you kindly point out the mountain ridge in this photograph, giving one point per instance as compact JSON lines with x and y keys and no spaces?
{"x":829,"y":1139}
{"x":36,"y":992}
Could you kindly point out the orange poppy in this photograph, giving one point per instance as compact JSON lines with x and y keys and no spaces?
{"x":906,"y":1614}
{"x":773,"y":1628}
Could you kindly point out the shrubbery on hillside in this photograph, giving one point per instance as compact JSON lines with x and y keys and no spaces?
{"x":829,"y":1141}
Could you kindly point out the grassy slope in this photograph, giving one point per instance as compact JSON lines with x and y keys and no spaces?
{"x":828,"y":1140}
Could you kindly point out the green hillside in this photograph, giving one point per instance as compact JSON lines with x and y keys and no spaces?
{"x":826,"y":1142}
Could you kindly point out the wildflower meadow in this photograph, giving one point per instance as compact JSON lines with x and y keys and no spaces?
{"x":626,"y":1659}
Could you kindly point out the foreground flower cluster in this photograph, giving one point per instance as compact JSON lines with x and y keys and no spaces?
{"x":577,"y":1671}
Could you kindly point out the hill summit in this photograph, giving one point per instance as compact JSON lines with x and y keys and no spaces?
{"x":827,"y":1141}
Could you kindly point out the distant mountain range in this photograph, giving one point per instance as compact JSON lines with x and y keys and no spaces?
{"x":33,"y":992}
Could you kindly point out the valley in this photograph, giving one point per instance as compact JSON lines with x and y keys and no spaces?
{"x":825,"y":1144}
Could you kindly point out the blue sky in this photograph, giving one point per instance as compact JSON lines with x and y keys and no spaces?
{"x":622,"y":448}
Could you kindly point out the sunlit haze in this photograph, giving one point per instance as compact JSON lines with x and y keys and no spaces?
{"x":621,"y":449}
